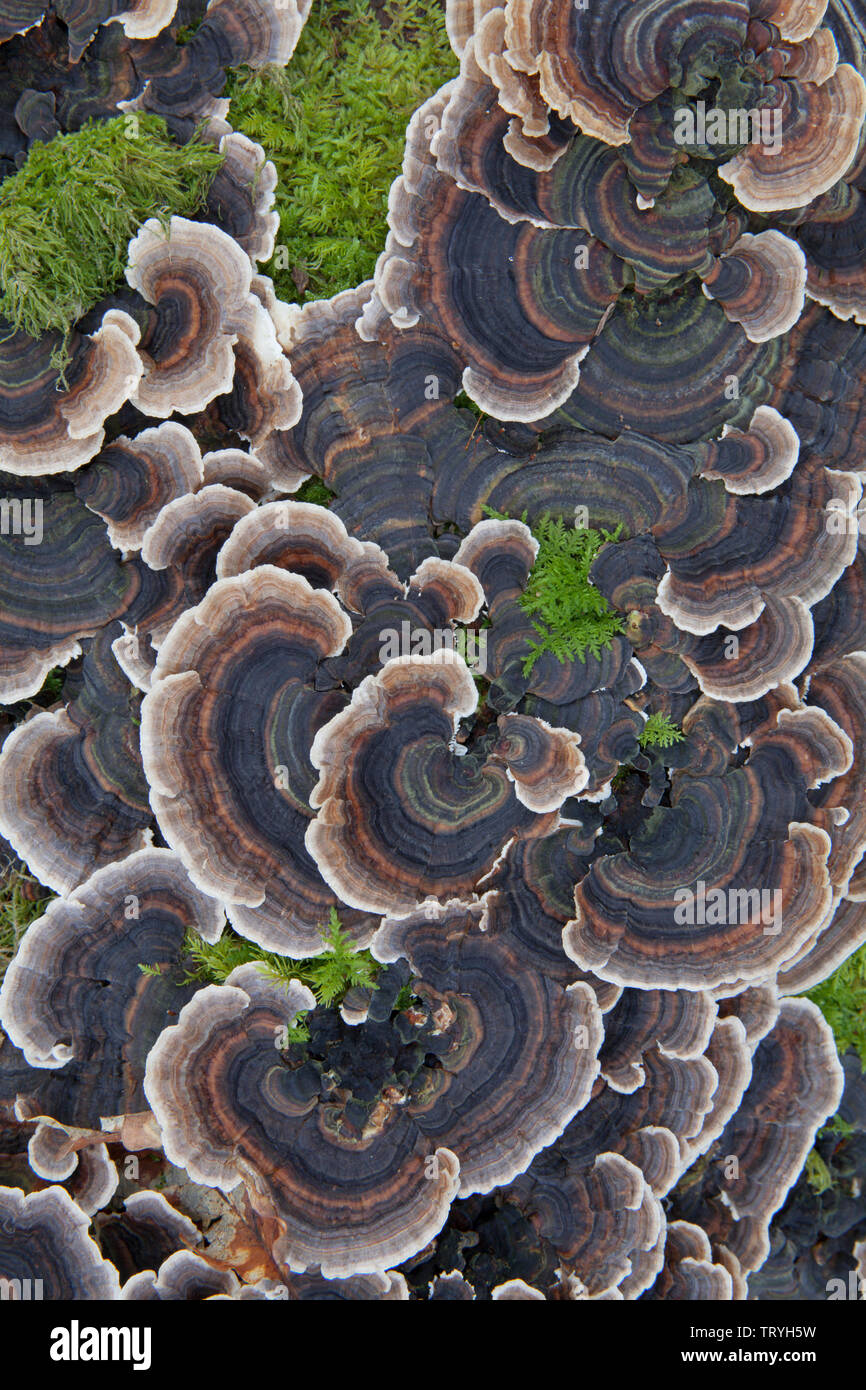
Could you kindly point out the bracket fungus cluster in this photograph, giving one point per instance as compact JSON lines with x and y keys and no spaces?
{"x":555,"y":709}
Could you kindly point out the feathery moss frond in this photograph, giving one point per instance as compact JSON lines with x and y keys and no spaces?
{"x":574,"y":616}
{"x":340,"y":967}
{"x":67,"y":216}
{"x":660,"y":732}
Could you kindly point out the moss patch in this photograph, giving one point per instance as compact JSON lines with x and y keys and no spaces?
{"x":67,"y":216}
{"x":660,"y":732}
{"x":18,"y":908}
{"x":314,"y":490}
{"x":842,"y":1001}
{"x":572,"y":615}
{"x":340,"y":966}
{"x":334,"y":124}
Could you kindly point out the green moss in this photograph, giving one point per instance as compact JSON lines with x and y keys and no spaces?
{"x":340,"y":966}
{"x":17,"y":911}
{"x":842,"y":1001}
{"x":818,"y":1175}
{"x":660,"y":732}
{"x":314,"y":490}
{"x":67,"y":216}
{"x":53,"y":683}
{"x":334,"y":123}
{"x":573,"y":615}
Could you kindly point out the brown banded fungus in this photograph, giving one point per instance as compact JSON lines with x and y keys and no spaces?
{"x":796,"y":1083}
{"x":199,"y":281}
{"x":76,"y":999}
{"x":226,"y":733}
{"x":72,"y":790}
{"x":522,"y":1049}
{"x":44,"y":1239}
{"x":49,"y":425}
{"x":399,"y":817}
{"x":680,"y":908}
{"x":60,"y":581}
{"x":351,"y":1192}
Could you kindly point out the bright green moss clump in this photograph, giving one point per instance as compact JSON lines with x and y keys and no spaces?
{"x":340,"y":966}
{"x":67,"y":216}
{"x":660,"y":732}
{"x":842,"y":1001}
{"x":334,"y":124}
{"x":572,"y":615}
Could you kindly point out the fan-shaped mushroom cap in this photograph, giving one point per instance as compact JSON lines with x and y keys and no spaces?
{"x":661,"y":368}
{"x":572,"y":181}
{"x":532,"y":894}
{"x":310,"y":541}
{"x":143,"y":19}
{"x":522,"y":361}
{"x":199,"y":281}
{"x":830,"y":231}
{"x":264,"y":397}
{"x":748,"y":877}
{"x":200,"y":277}
{"x":839,"y":939}
{"x":658,"y":1126}
{"x":53,"y":593}
{"x":374,"y":420}
{"x":35,"y":113}
{"x":184,"y":1277}
{"x":241,"y":196}
{"x":438,"y":823}
{"x":131,"y":480}
{"x":182,"y":546}
{"x":796,"y":1083}
{"x":95,"y":1180}
{"x":801,"y":555}
{"x":522,"y":1059}
{"x":821,"y":134}
{"x":72,"y":790}
{"x":604,"y":1220}
{"x":17,"y":16}
{"x":231,"y":1110}
{"x":545,"y":764}
{"x":757,"y":1008}
{"x":679,"y":1022}
{"x":247,"y":654}
{"x":761,"y":284}
{"x":795,"y":19}
{"x":270,"y":29}
{"x":730,"y":1054}
{"x":75,"y":996}
{"x":146,"y":18}
{"x":238,"y":470}
{"x":596,"y":69}
{"x":94,"y":1177}
{"x":754,"y":460}
{"x":44,"y":1237}
{"x":690,"y":1272}
{"x":44,"y":429}
{"x":839,"y":688}
{"x":232,"y":34}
